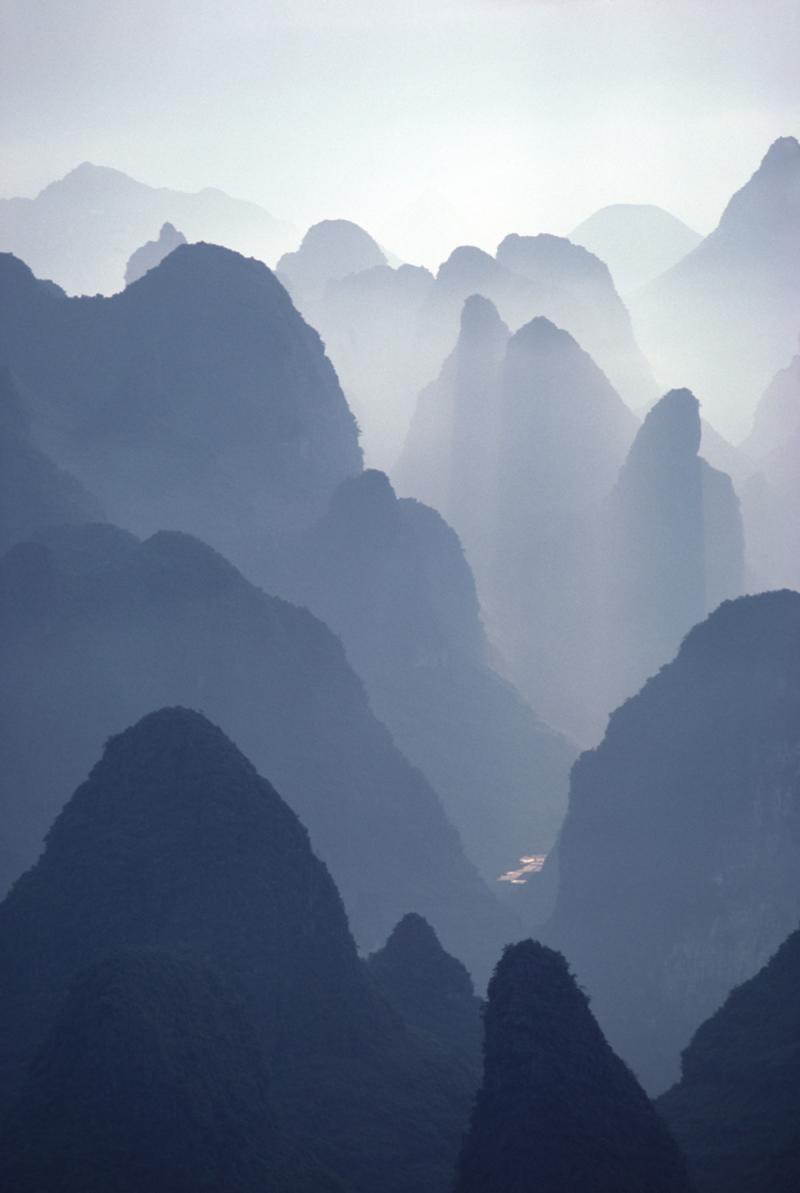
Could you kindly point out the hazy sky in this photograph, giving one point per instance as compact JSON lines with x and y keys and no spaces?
{"x":526,"y":115}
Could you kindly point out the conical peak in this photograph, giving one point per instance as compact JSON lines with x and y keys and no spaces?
{"x":366,"y":495}
{"x":328,"y":234}
{"x":480,"y":319}
{"x":466,"y":261}
{"x":536,"y":980}
{"x":413,"y":939}
{"x":671,"y":429}
{"x":169,"y":734}
{"x":782,"y":151}
{"x":541,"y":335}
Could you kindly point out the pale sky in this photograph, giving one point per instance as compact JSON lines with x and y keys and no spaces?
{"x":526,"y":115}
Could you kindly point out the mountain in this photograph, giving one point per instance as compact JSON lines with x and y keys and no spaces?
{"x":390,"y":578}
{"x":770,"y":496}
{"x":370,"y":323}
{"x":574,"y":289}
{"x":563,"y":433}
{"x":175,"y":843}
{"x":735,"y":1110}
{"x":558,"y":1111}
{"x":449,"y":459}
{"x":637,"y":241}
{"x":33,"y":492}
{"x":329,"y":251}
{"x":152,"y":253}
{"x":96,"y":628}
{"x":678,"y":858}
{"x":429,"y":989}
{"x":82,"y":229}
{"x":201,"y":372}
{"x":674,"y":545}
{"x":724,"y":319}
{"x":150,"y":1075}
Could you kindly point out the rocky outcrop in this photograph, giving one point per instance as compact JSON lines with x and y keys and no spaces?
{"x":679,"y":854}
{"x":152,"y":253}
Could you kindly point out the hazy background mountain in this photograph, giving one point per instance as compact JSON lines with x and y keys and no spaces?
{"x":637,"y":241}
{"x":81,"y":230}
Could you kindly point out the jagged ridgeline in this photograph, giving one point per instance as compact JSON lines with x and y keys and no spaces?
{"x":97,"y":628}
{"x":558,"y":1111}
{"x":679,"y":854}
{"x":736,"y":1109}
{"x":240,"y":1004}
{"x":196,"y":399}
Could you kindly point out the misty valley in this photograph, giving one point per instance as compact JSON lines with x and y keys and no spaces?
{"x":400,"y":702}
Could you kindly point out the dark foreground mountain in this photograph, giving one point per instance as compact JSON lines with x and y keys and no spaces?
{"x":82,"y":229}
{"x":679,"y":857}
{"x":175,"y":843}
{"x":197,"y":399}
{"x":33,"y":492}
{"x":558,"y":1112}
{"x":725,"y":319}
{"x":152,"y":253}
{"x":637,"y":241}
{"x":97,"y":628}
{"x":429,"y":989}
{"x":736,"y":1109}
{"x":390,"y":578}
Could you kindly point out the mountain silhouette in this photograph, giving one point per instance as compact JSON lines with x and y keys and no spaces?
{"x":557,"y":1110}
{"x":429,"y":989}
{"x":674,"y":546}
{"x":390,"y":578}
{"x":329,"y":251}
{"x":97,"y":628}
{"x":678,"y":857}
{"x":637,"y":241}
{"x":175,"y":843}
{"x":82,"y":229}
{"x":196,"y":399}
{"x":734,"y":1111}
{"x":724,"y":319}
{"x":152,"y":253}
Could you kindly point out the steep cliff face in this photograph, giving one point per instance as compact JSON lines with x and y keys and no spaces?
{"x":33,"y":492}
{"x":390,"y":578}
{"x":557,"y":1110}
{"x":724,"y":319}
{"x":679,"y":854}
{"x":735,"y":1109}
{"x":175,"y":843}
{"x":564,"y":432}
{"x":97,"y":628}
{"x":673,"y":545}
{"x":197,"y":399}
{"x":771,"y":496}
{"x":449,"y":459}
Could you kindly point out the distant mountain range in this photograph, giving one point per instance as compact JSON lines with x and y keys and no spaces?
{"x":81,"y":230}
